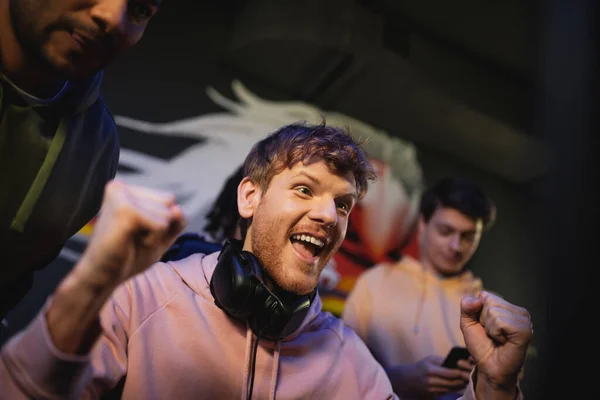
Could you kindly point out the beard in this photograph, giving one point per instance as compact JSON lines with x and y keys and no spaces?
{"x":269,"y":239}
{"x":268,"y":247}
{"x":34,"y":35}
{"x":30,"y":37}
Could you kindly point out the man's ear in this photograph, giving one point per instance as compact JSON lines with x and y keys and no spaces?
{"x":248,"y":197}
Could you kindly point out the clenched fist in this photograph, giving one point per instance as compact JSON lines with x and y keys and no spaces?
{"x":497,"y":335}
{"x":135,"y":227}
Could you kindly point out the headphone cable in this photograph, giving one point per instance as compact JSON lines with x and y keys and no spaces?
{"x":253,"y":365}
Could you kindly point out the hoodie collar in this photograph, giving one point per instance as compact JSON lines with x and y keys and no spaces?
{"x":74,"y":97}
{"x":197,"y":270}
{"x":466,"y":280}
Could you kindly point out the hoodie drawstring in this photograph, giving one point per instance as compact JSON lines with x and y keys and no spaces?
{"x":36,"y":188}
{"x":416,"y":326}
{"x":245,"y":382}
{"x":250,"y":363}
{"x":275,"y":370}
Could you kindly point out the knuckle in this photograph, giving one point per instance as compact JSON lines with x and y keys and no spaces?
{"x":126,"y":213}
{"x":492,"y":311}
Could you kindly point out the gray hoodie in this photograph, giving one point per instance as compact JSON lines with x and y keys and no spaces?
{"x":55,"y":160}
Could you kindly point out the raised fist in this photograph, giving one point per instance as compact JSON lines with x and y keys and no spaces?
{"x":135,"y":227}
{"x":497,"y":335}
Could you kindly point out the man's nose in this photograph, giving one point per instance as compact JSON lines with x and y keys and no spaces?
{"x":325,"y":212}
{"x":455,"y":242}
{"x":111,"y":16}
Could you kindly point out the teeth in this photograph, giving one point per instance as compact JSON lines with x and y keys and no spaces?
{"x":309,"y":239}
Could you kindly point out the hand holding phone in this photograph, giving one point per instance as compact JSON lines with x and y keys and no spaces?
{"x":455,"y":354}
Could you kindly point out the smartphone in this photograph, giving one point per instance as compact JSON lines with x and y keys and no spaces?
{"x":455,"y":354}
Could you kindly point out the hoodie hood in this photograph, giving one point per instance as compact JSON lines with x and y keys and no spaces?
{"x":200,"y":284}
{"x":465,"y":283}
{"x":82,"y":94}
{"x":78,"y":95}
{"x":68,"y":110}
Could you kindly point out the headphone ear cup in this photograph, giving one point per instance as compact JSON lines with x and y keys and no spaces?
{"x":272,"y":317}
{"x":269,"y":316}
{"x":232,"y":284}
{"x":295,"y":314}
{"x":239,"y":288}
{"x":266,"y":307}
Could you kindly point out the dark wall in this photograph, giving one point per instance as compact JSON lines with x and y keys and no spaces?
{"x":164,"y":79}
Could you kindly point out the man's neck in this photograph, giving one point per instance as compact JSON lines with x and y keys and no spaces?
{"x":28,"y":74}
{"x":285,"y":296}
{"x":428,"y":266}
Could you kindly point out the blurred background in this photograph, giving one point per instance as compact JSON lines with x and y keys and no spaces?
{"x":502,"y":92}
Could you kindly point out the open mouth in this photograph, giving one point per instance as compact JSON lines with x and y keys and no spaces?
{"x":307,"y":246}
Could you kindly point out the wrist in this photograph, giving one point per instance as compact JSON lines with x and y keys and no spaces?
{"x":488,"y":388}
{"x":91,"y":276}
{"x":73,"y":315}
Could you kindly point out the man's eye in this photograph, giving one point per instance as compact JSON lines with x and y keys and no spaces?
{"x":343,"y":206}
{"x":469,"y":237}
{"x":141,"y":11}
{"x":304,"y":190}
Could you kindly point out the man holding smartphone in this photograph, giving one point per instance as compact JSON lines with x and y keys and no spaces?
{"x":408,"y":313}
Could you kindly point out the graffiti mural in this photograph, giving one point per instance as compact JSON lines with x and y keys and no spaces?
{"x":204,"y":150}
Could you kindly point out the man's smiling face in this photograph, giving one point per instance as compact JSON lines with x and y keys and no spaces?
{"x":298,"y":222}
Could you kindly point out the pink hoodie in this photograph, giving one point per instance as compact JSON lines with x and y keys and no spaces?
{"x":164,"y":331}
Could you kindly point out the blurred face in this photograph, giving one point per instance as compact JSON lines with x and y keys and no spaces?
{"x":298,"y":223}
{"x":77,"y":38}
{"x":448,"y":240}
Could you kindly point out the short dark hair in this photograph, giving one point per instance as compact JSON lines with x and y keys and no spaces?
{"x":462,"y":195}
{"x":304,"y":142}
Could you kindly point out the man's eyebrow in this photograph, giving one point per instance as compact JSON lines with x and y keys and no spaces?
{"x":351,"y":193}
{"x":448,"y":226}
{"x":307,"y":175}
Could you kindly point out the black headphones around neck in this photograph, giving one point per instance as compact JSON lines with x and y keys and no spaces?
{"x":239,"y":288}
